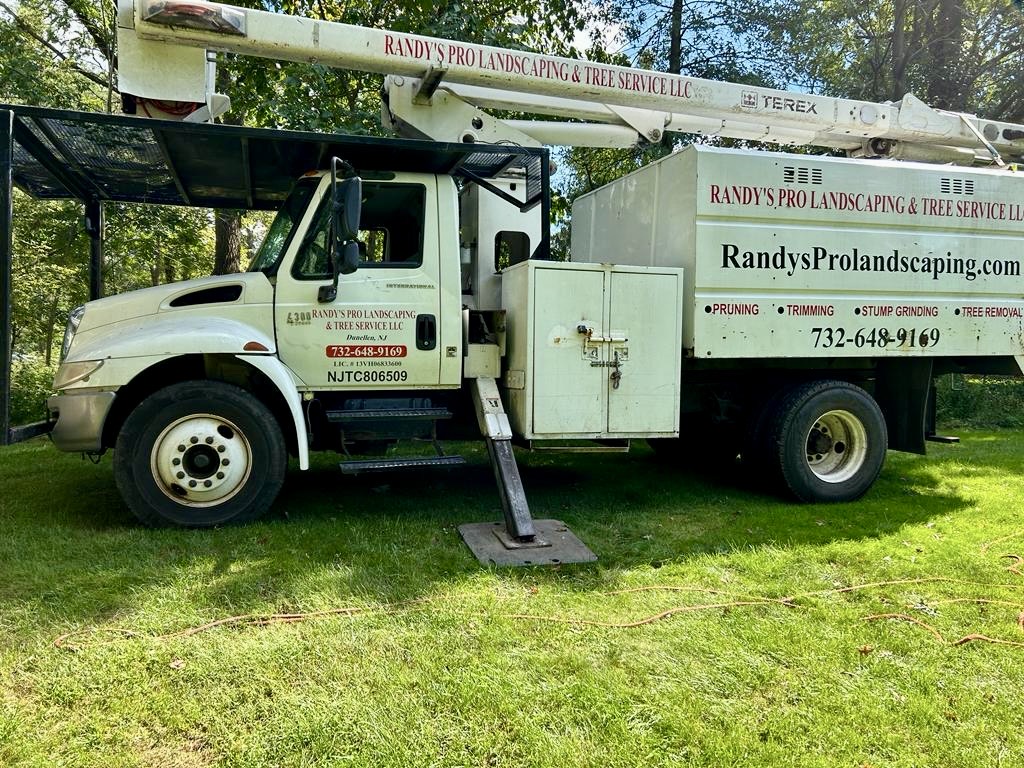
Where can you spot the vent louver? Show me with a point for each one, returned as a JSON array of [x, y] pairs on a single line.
[[792, 174], [956, 186]]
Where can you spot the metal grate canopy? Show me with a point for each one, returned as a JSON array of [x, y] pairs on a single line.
[[62, 154]]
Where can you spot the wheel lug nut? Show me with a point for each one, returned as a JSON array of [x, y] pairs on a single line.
[[207, 483], [175, 462], [225, 462], [193, 440], [191, 483], [209, 441], [181, 449], [220, 449], [181, 475], [220, 475]]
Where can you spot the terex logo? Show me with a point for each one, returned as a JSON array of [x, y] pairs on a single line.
[[789, 104]]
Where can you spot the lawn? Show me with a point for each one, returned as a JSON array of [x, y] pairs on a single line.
[[441, 662]]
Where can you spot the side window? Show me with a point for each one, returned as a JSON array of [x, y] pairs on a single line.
[[510, 248], [391, 225]]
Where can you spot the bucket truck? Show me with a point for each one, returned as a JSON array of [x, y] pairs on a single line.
[[788, 310]]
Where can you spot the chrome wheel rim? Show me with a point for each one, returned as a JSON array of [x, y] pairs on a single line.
[[201, 460], [836, 446]]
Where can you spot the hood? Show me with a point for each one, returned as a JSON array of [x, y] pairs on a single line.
[[235, 289]]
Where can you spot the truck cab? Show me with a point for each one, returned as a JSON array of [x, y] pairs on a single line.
[[395, 322], [202, 386]]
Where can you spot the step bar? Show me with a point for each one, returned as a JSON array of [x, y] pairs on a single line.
[[358, 467]]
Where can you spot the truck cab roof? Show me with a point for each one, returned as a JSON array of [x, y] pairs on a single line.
[[63, 154]]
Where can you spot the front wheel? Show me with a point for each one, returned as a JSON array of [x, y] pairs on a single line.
[[198, 454], [828, 441]]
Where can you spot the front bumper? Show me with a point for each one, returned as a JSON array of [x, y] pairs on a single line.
[[79, 419]]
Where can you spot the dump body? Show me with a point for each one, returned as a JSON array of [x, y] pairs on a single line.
[[791, 256]]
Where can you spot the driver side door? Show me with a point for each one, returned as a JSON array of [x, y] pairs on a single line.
[[381, 331]]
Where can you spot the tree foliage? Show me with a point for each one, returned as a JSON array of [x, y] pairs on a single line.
[[962, 55], [57, 53]]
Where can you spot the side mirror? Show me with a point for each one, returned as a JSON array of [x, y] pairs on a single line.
[[346, 201], [349, 261], [344, 261]]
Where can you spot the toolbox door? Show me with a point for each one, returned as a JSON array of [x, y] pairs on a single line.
[[570, 393], [643, 352]]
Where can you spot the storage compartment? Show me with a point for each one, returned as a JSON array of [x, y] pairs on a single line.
[[594, 350]]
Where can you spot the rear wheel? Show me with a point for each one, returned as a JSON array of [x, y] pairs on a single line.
[[828, 441], [200, 453]]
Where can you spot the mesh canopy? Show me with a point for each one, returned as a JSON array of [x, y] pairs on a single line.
[[60, 154]]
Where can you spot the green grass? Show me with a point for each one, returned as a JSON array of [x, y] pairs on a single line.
[[458, 680]]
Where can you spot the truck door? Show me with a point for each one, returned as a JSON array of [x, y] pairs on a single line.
[[381, 332]]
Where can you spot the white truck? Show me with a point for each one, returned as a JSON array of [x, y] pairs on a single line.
[[792, 310]]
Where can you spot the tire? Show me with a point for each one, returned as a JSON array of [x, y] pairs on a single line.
[[827, 441], [199, 454], [756, 453]]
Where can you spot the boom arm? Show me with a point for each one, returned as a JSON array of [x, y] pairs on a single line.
[[626, 104]]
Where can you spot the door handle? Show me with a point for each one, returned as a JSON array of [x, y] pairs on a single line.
[[426, 332]]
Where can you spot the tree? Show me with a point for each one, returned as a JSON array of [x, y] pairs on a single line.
[[717, 39], [714, 39], [961, 55], [60, 53]]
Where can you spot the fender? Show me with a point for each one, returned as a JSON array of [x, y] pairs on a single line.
[[284, 380], [131, 346]]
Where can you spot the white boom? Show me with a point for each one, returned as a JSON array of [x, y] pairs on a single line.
[[162, 46]]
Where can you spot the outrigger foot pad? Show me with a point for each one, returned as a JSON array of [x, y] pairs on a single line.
[[553, 544], [519, 540]]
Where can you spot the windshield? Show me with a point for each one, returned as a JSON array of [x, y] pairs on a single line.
[[283, 226]]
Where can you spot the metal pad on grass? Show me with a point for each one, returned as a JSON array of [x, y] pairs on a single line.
[[555, 544]]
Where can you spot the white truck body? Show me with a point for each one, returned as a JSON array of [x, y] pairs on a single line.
[[800, 256], [791, 310]]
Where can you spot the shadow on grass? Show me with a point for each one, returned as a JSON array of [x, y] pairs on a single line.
[[73, 553]]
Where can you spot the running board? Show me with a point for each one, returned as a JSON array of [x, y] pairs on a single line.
[[388, 414], [387, 465], [522, 540], [944, 439]]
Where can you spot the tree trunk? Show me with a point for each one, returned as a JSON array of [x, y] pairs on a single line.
[[899, 50], [944, 86], [227, 224], [227, 252], [675, 52]]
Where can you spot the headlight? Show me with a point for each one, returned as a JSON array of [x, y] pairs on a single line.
[[74, 320], [69, 373]]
